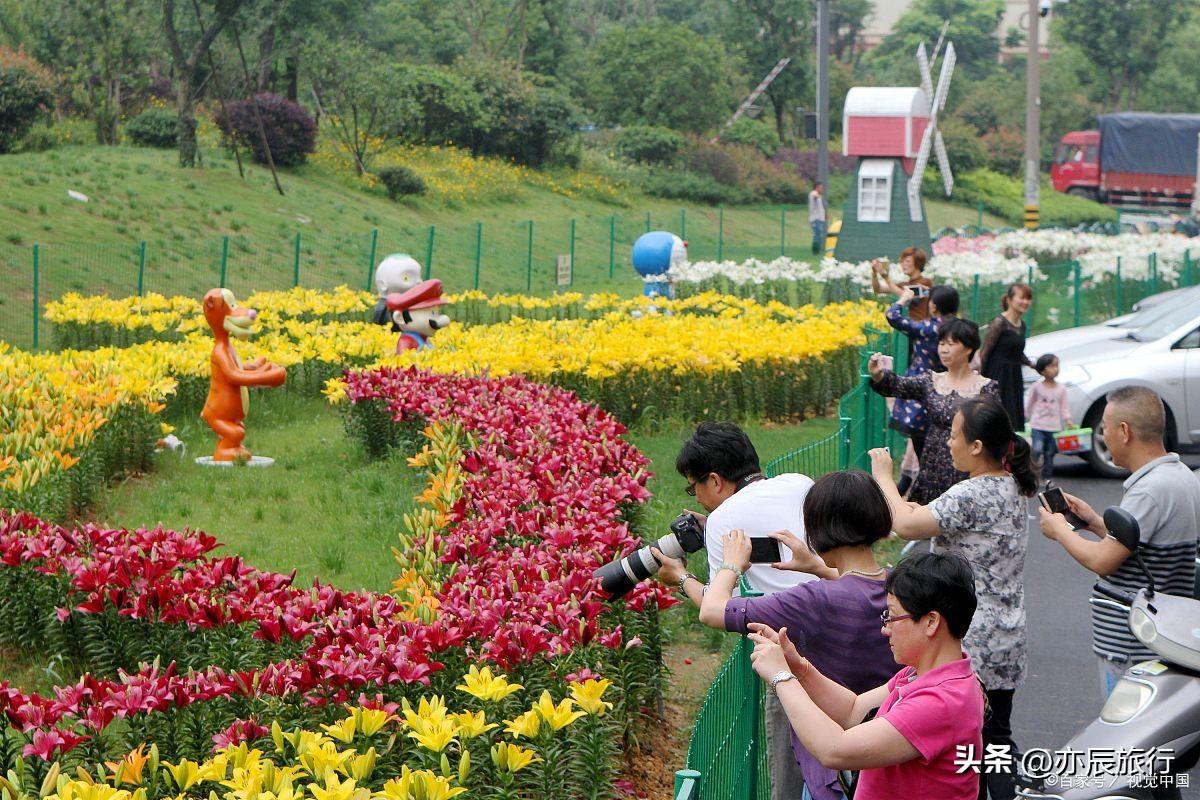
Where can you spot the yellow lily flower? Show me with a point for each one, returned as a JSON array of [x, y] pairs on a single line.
[[512, 758], [185, 774], [588, 693], [480, 683], [434, 735], [527, 725], [472, 724], [343, 731], [556, 716]]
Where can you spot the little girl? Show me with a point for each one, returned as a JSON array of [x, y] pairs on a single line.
[[1047, 412]]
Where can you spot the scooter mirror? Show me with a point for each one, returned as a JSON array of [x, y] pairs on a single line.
[[1123, 527]]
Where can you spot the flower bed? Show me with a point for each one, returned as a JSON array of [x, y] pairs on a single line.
[[543, 490]]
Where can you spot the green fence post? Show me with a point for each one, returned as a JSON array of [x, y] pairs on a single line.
[[689, 776], [647, 222], [1153, 273], [612, 245], [1078, 293], [1118, 286], [975, 296], [529, 260], [683, 223], [721, 233], [371, 257], [478, 250], [782, 229], [36, 294], [224, 259], [141, 268], [429, 251], [571, 254], [296, 262]]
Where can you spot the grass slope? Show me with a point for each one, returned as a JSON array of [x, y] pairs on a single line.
[[135, 195]]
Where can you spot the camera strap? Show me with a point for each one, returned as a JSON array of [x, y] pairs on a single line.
[[749, 479]]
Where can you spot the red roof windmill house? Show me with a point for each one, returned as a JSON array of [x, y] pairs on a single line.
[[891, 130]]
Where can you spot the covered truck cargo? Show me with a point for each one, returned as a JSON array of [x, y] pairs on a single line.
[[1162, 144]]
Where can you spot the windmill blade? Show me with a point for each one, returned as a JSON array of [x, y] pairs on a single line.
[[939, 147], [926, 76], [943, 87]]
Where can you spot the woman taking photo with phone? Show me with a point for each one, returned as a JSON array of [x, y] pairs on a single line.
[[983, 518]]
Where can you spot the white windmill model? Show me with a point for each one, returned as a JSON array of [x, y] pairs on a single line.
[[891, 130], [931, 133]]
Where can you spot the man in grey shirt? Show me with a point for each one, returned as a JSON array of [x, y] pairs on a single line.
[[1164, 496], [816, 217]]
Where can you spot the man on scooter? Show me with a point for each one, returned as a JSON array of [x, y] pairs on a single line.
[[1163, 495]]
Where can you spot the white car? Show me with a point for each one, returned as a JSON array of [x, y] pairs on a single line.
[[1157, 346]]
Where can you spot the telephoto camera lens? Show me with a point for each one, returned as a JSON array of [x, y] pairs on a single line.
[[617, 578]]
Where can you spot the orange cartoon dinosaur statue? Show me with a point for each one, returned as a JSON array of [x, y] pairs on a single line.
[[228, 398]]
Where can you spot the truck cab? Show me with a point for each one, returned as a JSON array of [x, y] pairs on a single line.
[[1076, 168]]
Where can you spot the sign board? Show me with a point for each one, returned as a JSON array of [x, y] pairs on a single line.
[[563, 264]]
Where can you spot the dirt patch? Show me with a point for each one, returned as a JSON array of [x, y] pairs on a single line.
[[662, 747]]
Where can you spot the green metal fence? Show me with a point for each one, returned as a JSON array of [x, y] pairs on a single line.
[[489, 255]]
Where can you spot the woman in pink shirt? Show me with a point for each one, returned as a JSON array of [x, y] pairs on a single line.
[[1047, 411], [930, 713]]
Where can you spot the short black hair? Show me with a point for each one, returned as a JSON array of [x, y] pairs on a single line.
[[1044, 360], [845, 509], [963, 331], [946, 300], [719, 447], [941, 582]]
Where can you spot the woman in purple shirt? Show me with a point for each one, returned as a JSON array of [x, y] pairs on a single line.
[[833, 622]]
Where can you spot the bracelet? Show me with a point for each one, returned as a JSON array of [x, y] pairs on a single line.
[[737, 573], [684, 580]]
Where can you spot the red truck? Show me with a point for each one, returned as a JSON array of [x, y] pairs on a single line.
[[1133, 159]]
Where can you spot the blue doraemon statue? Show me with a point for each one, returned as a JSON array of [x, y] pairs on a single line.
[[653, 254]]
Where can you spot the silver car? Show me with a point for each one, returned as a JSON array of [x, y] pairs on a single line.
[[1157, 346]]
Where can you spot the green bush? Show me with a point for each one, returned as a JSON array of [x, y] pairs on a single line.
[[754, 133], [1005, 147], [677, 184], [963, 145], [24, 94], [648, 144], [154, 127], [401, 181], [1005, 197], [713, 161]]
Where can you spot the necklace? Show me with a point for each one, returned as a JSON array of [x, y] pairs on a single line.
[[879, 571]]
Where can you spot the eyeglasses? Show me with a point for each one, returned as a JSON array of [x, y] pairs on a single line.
[[690, 491], [888, 620]]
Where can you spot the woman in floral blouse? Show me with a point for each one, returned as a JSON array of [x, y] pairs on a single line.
[[984, 519]]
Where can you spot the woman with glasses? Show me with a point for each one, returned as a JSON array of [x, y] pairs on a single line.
[[834, 622], [983, 518], [927, 711]]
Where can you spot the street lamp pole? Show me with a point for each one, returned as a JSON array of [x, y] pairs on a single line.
[[823, 93], [1033, 102]]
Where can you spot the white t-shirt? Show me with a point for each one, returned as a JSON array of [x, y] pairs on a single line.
[[758, 509]]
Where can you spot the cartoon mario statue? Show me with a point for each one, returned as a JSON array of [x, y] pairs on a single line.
[[415, 314], [228, 399], [396, 274]]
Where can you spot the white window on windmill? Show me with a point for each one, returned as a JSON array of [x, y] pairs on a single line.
[[875, 190]]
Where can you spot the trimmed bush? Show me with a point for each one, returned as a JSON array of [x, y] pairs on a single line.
[[713, 161], [401, 182], [1005, 197], [648, 144], [154, 127], [677, 184], [805, 162], [755, 133], [1005, 147], [24, 94], [290, 130]]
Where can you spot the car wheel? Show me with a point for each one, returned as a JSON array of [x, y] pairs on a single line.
[[1079, 191], [1099, 458]]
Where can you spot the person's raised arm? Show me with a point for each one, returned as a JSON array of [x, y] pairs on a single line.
[[909, 520], [889, 384], [736, 553]]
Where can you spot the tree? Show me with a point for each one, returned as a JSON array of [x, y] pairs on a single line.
[[661, 74], [359, 95], [972, 28], [1122, 41], [190, 34]]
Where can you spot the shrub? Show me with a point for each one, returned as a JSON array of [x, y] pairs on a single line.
[[401, 181], [677, 184], [713, 161], [1005, 147], [290, 131], [154, 127], [966, 150], [648, 144], [24, 94], [754, 133], [1005, 197], [765, 180], [805, 162]]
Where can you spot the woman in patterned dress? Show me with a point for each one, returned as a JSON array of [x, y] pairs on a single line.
[[939, 394], [984, 519]]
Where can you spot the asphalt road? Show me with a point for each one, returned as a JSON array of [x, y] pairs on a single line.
[[1062, 692]]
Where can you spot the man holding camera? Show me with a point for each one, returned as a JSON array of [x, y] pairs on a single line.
[[723, 473], [1163, 495]]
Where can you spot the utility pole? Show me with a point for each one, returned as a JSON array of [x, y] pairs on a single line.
[[1033, 125], [823, 92]]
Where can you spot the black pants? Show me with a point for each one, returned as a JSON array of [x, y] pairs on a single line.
[[997, 729]]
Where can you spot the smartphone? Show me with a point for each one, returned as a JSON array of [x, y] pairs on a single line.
[[919, 291], [764, 550], [1055, 503]]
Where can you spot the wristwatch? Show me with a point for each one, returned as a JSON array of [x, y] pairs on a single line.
[[684, 580], [780, 677]]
